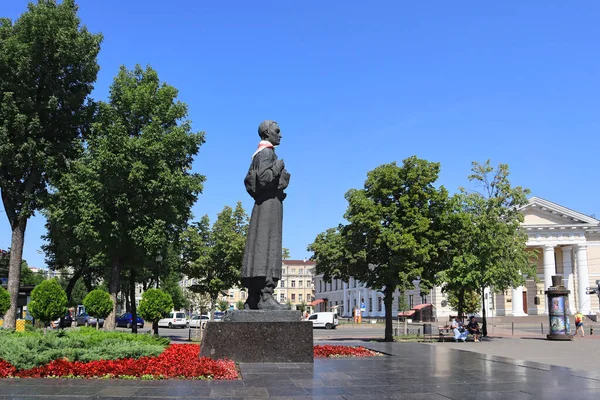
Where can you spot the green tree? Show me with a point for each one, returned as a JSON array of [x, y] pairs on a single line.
[[395, 232], [171, 286], [48, 301], [469, 304], [4, 301], [285, 253], [47, 70], [130, 194], [239, 304], [213, 255], [30, 278], [98, 304], [154, 304], [489, 246], [222, 305]]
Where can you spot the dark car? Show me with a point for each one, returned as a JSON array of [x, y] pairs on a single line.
[[86, 320], [126, 320], [65, 321]]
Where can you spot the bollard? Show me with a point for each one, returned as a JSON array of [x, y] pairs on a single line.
[[20, 326], [591, 330], [395, 331], [542, 326], [512, 327]]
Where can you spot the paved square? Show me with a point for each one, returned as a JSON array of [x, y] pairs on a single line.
[[408, 371]]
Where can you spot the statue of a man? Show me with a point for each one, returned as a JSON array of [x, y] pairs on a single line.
[[265, 182]]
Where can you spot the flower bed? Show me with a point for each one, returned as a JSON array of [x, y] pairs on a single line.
[[177, 361], [325, 351]]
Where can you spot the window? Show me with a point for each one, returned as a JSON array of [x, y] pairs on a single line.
[[299, 283], [336, 284], [300, 297], [293, 271], [380, 304], [281, 297], [411, 301], [314, 316], [370, 304], [281, 283], [231, 295], [424, 299], [293, 283], [307, 283], [243, 295], [300, 271], [354, 303], [293, 296]]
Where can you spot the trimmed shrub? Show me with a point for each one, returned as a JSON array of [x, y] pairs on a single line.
[[48, 301], [154, 304], [98, 304]]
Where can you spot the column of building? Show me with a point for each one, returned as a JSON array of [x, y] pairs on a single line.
[[568, 276], [345, 306], [583, 279]]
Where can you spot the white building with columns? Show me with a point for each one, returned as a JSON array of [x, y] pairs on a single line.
[[567, 243]]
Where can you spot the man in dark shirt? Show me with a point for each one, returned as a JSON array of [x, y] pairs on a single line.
[[473, 328]]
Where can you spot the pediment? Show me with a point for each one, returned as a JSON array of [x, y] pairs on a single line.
[[543, 212]]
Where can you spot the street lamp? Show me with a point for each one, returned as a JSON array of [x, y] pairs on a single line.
[[158, 259]]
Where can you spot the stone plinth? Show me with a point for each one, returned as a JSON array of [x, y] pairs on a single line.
[[257, 342], [262, 316]]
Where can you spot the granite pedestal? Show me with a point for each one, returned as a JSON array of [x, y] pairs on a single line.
[[246, 338]]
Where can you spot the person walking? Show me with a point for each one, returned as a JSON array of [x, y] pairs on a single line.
[[579, 323]]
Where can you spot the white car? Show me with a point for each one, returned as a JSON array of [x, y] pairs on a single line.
[[197, 321], [327, 320], [175, 319]]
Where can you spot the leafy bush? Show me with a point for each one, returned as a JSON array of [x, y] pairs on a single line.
[[4, 301], [154, 304], [26, 350], [98, 304], [48, 301]]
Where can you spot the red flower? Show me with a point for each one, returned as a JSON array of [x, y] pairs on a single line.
[[323, 351]]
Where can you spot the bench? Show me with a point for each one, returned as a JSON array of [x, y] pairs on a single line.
[[445, 332]]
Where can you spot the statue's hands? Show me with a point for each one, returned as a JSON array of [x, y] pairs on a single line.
[[278, 167], [284, 180]]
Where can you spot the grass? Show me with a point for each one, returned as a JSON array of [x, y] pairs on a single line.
[[29, 349]]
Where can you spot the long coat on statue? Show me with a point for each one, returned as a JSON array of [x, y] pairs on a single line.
[[265, 182]]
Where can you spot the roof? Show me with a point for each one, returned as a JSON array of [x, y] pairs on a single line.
[[414, 310], [299, 262], [406, 313], [557, 209]]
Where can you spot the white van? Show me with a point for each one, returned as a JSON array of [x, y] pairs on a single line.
[[327, 320], [176, 319]]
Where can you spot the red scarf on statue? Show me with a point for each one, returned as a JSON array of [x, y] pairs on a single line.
[[264, 144]]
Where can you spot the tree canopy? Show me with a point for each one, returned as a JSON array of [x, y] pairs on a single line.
[[130, 194], [489, 248], [47, 70], [395, 232], [98, 304], [154, 304], [213, 255]]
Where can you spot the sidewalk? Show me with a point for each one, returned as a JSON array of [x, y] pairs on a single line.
[[407, 371]]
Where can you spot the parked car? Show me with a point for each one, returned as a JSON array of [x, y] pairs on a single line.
[[219, 315], [198, 320], [87, 320], [66, 321], [327, 320], [126, 320], [176, 319]]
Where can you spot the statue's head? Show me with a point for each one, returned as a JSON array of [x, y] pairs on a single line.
[[269, 130]]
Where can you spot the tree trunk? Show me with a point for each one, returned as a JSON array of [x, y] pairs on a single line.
[[126, 289], [132, 301], [387, 302], [18, 227], [113, 289], [69, 290], [155, 327], [461, 302], [484, 319]]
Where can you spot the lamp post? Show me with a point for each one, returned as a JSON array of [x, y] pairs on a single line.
[[158, 259]]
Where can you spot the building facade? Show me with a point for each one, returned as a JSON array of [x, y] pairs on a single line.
[[567, 243]]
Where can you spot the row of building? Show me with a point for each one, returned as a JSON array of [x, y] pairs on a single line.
[[568, 244]]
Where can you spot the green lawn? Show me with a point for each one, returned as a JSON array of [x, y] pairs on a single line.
[[29, 349]]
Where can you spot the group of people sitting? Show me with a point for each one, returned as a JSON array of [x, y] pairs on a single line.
[[461, 331]]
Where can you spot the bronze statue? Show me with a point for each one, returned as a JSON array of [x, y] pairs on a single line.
[[265, 182]]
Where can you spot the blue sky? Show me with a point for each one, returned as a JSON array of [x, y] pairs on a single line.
[[354, 85]]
